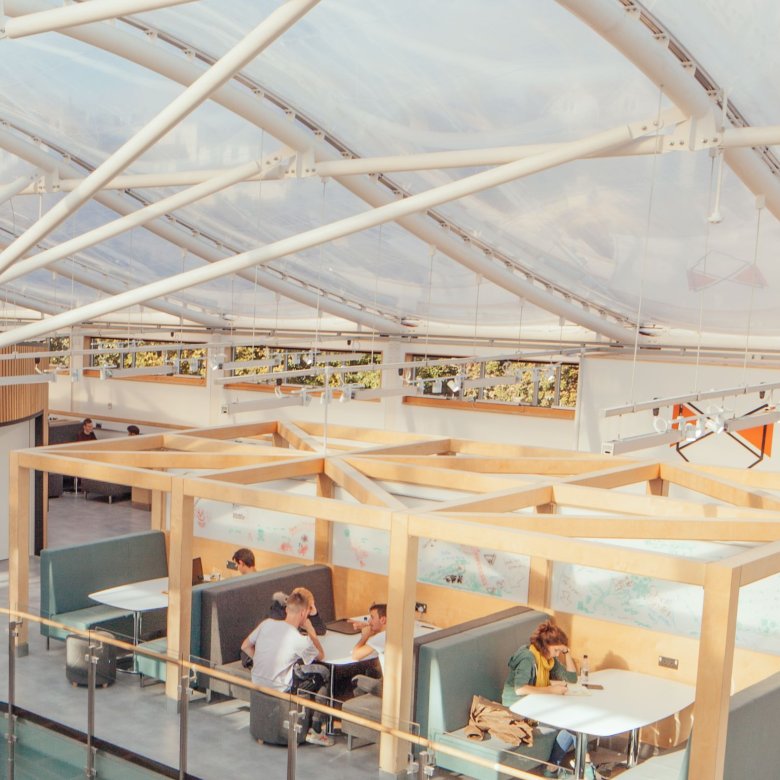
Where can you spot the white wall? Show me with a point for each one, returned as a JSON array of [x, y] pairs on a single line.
[[12, 437], [607, 382]]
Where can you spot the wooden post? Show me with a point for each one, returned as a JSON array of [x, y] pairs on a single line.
[[179, 583], [19, 545], [713, 679], [323, 529], [658, 487], [398, 672], [158, 510], [539, 579]]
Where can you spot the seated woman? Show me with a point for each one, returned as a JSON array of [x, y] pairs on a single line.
[[544, 665]]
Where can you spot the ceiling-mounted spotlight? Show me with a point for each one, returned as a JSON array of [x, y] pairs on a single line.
[[455, 384], [105, 372], [437, 387]]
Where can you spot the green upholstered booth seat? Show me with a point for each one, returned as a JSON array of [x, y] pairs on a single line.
[[752, 746], [453, 666], [70, 574]]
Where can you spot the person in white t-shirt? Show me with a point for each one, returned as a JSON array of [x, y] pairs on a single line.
[[283, 656], [372, 640]]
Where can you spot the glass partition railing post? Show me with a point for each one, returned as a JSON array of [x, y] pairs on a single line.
[[184, 700], [93, 649], [293, 729], [13, 634]]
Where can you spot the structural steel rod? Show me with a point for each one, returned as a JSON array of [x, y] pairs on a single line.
[[200, 90], [320, 235], [80, 13], [136, 218]]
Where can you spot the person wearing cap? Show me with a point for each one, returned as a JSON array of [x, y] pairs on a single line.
[[133, 430]]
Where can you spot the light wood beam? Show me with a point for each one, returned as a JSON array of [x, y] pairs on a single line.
[[122, 475], [626, 503], [297, 438], [399, 650], [757, 563], [713, 680], [19, 546], [429, 475], [356, 434], [152, 441], [182, 443], [170, 459], [628, 527], [289, 469], [179, 585], [556, 548], [546, 466], [425, 447], [502, 501], [240, 431], [499, 450], [306, 506], [618, 476], [724, 490], [768, 480], [360, 486]]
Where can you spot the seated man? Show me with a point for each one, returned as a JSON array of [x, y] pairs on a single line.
[[372, 640], [283, 657], [244, 559]]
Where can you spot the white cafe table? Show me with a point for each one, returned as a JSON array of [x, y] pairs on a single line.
[[628, 701], [338, 651], [135, 597]]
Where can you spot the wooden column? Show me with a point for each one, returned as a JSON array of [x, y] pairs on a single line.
[[179, 583], [19, 545], [539, 579], [158, 510], [399, 656], [658, 487], [713, 679], [323, 529]]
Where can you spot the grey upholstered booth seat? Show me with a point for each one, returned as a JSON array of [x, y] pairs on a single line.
[[98, 487], [200, 653], [752, 746], [231, 612]]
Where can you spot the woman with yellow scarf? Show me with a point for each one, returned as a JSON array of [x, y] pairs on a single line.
[[544, 665]]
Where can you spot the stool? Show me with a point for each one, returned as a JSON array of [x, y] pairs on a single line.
[[267, 716], [367, 706]]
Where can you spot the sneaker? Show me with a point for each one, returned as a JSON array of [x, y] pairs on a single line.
[[319, 738]]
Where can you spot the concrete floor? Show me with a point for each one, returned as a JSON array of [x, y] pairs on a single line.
[[140, 719]]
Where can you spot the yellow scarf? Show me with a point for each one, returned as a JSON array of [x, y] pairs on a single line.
[[543, 667]]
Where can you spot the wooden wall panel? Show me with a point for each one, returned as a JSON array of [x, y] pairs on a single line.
[[19, 402]]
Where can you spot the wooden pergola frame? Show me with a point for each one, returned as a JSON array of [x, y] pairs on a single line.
[[509, 500]]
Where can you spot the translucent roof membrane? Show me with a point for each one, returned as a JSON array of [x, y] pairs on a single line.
[[625, 233]]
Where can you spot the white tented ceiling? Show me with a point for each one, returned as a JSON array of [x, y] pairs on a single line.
[[644, 209]]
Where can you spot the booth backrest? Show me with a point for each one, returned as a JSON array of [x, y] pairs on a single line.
[[234, 607], [70, 574], [473, 660], [752, 746]]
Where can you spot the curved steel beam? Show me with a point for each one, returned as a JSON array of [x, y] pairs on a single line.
[[186, 238], [241, 54], [485, 262], [631, 31], [397, 210]]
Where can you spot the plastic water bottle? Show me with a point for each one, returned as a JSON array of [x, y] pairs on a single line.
[[585, 671]]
